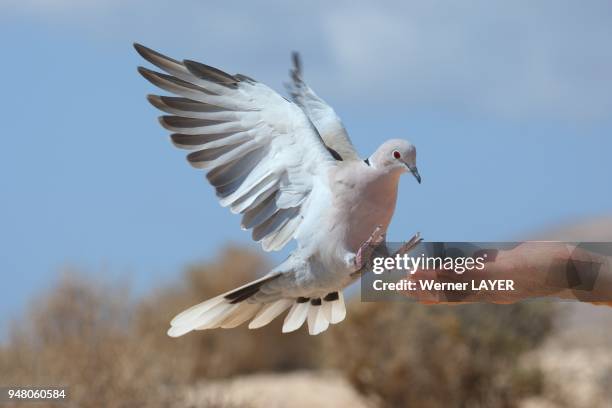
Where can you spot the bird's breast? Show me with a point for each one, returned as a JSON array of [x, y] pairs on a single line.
[[361, 204]]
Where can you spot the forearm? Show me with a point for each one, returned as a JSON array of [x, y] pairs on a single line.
[[534, 269]]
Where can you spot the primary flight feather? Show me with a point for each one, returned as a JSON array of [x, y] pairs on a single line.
[[292, 172]]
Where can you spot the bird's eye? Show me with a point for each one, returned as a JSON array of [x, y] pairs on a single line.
[[397, 154]]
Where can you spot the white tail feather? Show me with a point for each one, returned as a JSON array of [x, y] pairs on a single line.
[[317, 322], [338, 310], [213, 318], [269, 312], [195, 311], [175, 331], [203, 313], [296, 317], [326, 308], [240, 315], [220, 311]]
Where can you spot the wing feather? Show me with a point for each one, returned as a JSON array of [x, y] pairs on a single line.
[[208, 141], [264, 157], [182, 106], [322, 115], [260, 213], [229, 172]]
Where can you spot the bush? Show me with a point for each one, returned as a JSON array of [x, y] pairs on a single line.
[[112, 350], [408, 354]]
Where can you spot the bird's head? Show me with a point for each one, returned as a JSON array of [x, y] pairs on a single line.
[[396, 155]]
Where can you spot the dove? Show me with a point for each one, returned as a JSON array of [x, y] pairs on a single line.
[[289, 168]]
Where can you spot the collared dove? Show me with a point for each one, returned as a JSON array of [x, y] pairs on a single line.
[[290, 169]]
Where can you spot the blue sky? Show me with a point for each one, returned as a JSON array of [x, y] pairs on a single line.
[[509, 108]]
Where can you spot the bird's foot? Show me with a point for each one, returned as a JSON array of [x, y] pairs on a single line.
[[367, 248], [409, 245]]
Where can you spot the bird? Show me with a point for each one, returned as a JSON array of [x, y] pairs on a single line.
[[290, 169]]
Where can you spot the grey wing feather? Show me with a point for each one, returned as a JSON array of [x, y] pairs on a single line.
[[323, 116], [261, 150]]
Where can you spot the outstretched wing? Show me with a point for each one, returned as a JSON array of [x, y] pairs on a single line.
[[264, 157], [322, 115]]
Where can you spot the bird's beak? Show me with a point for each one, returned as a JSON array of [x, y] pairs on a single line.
[[415, 173]]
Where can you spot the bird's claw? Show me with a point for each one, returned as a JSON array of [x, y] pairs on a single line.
[[409, 245], [367, 248]]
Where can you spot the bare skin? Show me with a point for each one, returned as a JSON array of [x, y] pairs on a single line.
[[537, 269]]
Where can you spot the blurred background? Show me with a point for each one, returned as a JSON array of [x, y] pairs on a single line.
[[106, 232]]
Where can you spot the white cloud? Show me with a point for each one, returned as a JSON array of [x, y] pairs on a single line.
[[514, 60], [518, 59]]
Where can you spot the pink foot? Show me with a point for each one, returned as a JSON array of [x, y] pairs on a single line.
[[409, 245], [366, 249]]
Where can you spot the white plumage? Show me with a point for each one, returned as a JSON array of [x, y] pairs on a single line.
[[296, 317], [290, 169], [269, 312]]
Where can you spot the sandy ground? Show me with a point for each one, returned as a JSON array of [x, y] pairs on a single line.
[[302, 389]]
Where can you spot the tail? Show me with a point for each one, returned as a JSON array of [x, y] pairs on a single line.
[[233, 308]]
